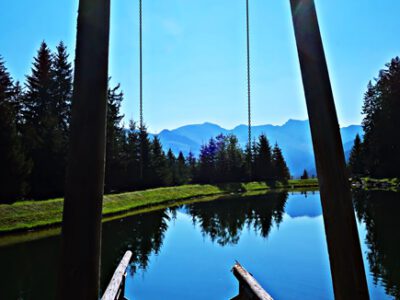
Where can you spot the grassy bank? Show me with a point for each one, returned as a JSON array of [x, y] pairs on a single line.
[[26, 215]]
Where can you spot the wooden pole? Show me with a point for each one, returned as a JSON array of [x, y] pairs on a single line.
[[347, 268], [81, 227]]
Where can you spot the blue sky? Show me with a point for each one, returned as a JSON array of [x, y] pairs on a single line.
[[194, 54]]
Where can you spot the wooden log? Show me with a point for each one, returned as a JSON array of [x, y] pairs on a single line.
[[115, 289], [249, 288], [79, 276], [347, 268]]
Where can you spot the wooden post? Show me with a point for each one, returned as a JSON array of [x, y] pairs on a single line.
[[81, 227], [347, 268]]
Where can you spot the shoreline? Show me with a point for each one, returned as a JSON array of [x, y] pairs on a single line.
[[28, 216]]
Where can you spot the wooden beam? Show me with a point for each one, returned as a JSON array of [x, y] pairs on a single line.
[[81, 227], [347, 268], [249, 288], [115, 289]]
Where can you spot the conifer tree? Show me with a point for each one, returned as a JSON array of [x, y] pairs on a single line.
[[305, 175], [221, 159], [171, 178], [280, 168], [207, 162], [263, 160], [181, 169], [356, 160], [15, 167], [192, 167], [235, 156], [132, 156], [144, 157], [158, 163], [115, 166], [248, 163], [381, 111], [42, 136], [62, 87]]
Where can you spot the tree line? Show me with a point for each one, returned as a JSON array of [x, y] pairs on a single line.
[[377, 154], [34, 136]]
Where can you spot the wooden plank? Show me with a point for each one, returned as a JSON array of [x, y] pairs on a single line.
[[347, 268], [113, 289], [249, 288]]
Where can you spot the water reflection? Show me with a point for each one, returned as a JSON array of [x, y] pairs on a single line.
[[276, 230], [380, 212], [223, 220], [142, 234]]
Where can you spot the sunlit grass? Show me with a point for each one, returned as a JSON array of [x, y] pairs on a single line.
[[27, 215]]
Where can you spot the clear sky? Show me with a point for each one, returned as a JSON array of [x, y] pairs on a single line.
[[194, 54]]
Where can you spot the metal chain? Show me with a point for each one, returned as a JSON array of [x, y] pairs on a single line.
[[140, 67], [248, 74]]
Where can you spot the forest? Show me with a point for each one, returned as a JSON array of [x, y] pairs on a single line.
[[377, 153], [35, 127]]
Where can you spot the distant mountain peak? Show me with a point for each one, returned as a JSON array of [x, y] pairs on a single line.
[[294, 122]]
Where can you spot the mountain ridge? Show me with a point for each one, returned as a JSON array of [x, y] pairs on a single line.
[[293, 137]]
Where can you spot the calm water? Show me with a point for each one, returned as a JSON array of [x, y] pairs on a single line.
[[187, 252]]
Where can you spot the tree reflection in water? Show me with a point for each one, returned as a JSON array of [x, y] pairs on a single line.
[[223, 220], [379, 211], [143, 234]]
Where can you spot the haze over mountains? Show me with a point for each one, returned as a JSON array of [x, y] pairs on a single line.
[[293, 137]]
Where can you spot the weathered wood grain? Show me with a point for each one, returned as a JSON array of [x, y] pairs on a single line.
[[115, 288], [249, 288]]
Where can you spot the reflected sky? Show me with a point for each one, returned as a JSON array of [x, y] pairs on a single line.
[[187, 252]]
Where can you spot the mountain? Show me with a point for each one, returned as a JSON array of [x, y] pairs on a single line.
[[293, 137]]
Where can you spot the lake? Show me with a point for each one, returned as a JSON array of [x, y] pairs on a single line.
[[187, 252]]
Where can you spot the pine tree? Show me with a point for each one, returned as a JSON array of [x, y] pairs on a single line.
[[144, 157], [115, 168], [158, 163], [192, 167], [132, 149], [263, 160], [15, 167], [381, 111], [171, 178], [221, 159], [207, 162], [280, 168], [356, 160], [249, 163], [181, 169], [235, 157], [42, 135], [62, 87], [305, 175]]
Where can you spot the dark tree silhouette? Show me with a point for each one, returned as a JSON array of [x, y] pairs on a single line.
[[263, 170], [44, 137], [280, 168], [158, 164], [305, 175], [381, 122], [356, 159], [115, 169], [379, 211], [15, 167]]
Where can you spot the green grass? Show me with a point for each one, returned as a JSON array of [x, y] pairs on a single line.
[[26, 215]]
